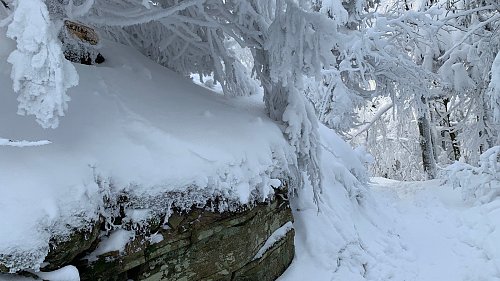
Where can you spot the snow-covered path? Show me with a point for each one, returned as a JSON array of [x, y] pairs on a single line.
[[400, 231], [447, 239]]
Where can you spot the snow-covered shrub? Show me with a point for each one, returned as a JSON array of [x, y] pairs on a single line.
[[40, 73], [478, 184]]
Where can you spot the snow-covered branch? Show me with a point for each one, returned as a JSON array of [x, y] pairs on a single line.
[[135, 14], [22, 143], [473, 30], [383, 109]]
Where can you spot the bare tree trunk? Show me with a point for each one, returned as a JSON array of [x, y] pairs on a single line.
[[275, 96], [451, 131], [429, 163], [434, 136]]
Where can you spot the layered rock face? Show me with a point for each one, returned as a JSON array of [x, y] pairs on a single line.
[[204, 245], [254, 242]]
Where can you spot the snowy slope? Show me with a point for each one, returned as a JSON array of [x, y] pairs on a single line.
[[351, 236], [140, 128], [411, 231]]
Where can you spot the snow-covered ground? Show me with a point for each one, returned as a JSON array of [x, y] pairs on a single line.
[[449, 239], [430, 234]]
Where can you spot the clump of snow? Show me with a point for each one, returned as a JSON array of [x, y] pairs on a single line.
[[116, 241], [138, 216], [276, 236], [275, 183], [67, 273], [144, 136], [155, 238], [23, 143]]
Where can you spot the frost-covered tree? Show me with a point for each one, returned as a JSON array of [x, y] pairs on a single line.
[[454, 45], [40, 73], [469, 42]]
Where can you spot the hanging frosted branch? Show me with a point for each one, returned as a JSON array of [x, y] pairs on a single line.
[[40, 73], [130, 13]]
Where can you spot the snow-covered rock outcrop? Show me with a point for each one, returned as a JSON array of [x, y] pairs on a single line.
[[135, 128]]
